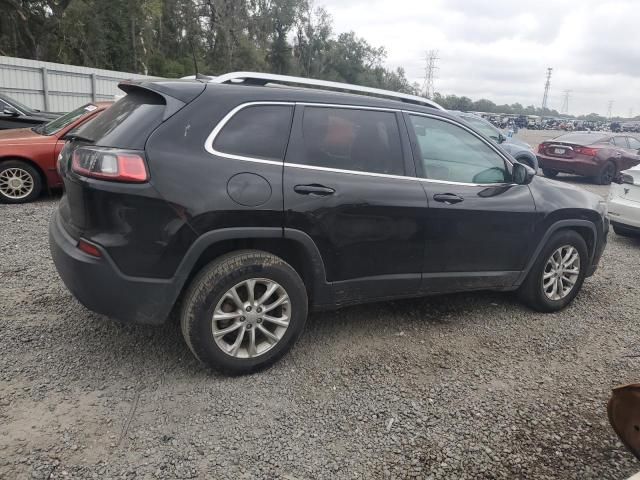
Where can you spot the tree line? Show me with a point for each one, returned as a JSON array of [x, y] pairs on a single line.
[[165, 38]]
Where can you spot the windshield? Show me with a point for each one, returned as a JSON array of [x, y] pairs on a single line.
[[483, 127], [59, 123], [20, 106]]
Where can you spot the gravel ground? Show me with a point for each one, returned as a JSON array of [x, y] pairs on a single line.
[[462, 386]]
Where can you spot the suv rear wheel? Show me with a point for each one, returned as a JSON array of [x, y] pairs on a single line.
[[244, 311], [557, 275]]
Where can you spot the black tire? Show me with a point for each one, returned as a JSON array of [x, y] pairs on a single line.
[[624, 231], [607, 174], [27, 172], [209, 287], [532, 293], [549, 173]]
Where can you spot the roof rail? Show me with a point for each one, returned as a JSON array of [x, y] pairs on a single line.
[[264, 78]]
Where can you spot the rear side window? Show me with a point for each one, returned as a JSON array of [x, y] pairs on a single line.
[[128, 122], [261, 131], [350, 139]]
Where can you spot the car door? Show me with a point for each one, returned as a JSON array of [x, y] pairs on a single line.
[[479, 225], [349, 184], [631, 155], [7, 120]]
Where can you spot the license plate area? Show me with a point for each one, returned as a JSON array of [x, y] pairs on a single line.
[[559, 151]]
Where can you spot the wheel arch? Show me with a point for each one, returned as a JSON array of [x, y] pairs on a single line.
[[293, 246], [585, 228]]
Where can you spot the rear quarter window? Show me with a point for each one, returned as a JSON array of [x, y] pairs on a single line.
[[128, 122], [260, 131]]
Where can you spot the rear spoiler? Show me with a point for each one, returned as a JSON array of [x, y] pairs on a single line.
[[175, 93]]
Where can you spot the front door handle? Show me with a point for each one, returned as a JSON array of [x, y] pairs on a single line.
[[314, 189], [448, 198]]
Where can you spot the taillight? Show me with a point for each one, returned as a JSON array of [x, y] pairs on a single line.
[[589, 152], [110, 164], [541, 147]]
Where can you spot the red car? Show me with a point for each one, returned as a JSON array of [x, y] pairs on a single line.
[[28, 155], [598, 155]]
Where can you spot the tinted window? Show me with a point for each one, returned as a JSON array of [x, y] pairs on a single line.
[[261, 131], [620, 142], [450, 153], [3, 105], [350, 139], [634, 144], [128, 122]]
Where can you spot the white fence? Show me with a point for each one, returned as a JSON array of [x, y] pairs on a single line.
[[56, 87]]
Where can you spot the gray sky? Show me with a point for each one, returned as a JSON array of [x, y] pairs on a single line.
[[499, 50]]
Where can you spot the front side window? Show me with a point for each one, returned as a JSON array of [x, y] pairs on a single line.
[[260, 131], [351, 139], [634, 144], [620, 142], [483, 127], [452, 154]]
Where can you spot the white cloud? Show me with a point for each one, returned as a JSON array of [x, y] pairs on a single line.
[[500, 49]]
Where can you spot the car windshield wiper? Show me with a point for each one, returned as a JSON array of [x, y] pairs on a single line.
[[75, 136]]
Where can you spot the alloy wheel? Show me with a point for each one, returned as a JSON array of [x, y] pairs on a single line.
[[251, 318], [16, 183], [561, 272]]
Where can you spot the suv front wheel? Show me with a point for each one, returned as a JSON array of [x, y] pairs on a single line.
[[557, 275], [244, 311]]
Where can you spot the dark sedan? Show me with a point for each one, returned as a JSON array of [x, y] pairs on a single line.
[[14, 114], [597, 155]]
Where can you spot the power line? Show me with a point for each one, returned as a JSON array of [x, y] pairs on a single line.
[[547, 85], [565, 102], [430, 67]]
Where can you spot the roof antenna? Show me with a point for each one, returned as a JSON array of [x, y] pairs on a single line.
[[198, 75]]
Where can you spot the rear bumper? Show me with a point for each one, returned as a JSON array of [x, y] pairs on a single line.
[[569, 165], [100, 286]]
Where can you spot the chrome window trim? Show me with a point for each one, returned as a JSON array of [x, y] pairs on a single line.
[[221, 124]]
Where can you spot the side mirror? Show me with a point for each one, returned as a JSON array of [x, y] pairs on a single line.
[[501, 138], [10, 111], [522, 174]]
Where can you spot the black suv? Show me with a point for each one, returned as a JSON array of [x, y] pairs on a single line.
[[240, 206]]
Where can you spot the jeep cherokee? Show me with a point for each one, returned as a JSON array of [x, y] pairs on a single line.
[[240, 206]]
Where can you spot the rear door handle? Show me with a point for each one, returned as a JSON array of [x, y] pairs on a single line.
[[314, 189], [448, 198]]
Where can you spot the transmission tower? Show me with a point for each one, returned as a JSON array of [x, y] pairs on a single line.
[[431, 60], [547, 85], [565, 102], [609, 109]]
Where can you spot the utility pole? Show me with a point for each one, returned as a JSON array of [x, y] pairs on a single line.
[[565, 102], [609, 109], [547, 85], [431, 59]]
